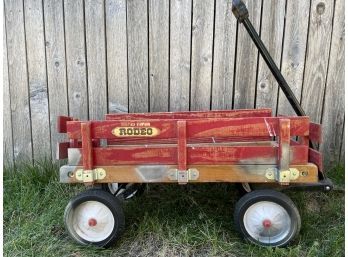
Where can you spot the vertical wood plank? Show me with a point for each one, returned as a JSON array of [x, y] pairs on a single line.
[[182, 147], [202, 51], [159, 54], [224, 51], [116, 44], [36, 59], [56, 66], [246, 62], [294, 51], [272, 35], [137, 34], [342, 154], [76, 59], [180, 54], [87, 146], [7, 120], [20, 109], [333, 110], [317, 57], [96, 60], [284, 148]]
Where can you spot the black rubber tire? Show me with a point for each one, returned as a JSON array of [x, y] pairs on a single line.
[[128, 193], [111, 202], [272, 196]]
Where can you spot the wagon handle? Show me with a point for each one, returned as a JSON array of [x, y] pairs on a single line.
[[240, 11]]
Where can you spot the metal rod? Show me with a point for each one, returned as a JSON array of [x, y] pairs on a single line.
[[241, 13]]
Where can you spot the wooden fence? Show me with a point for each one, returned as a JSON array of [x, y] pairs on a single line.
[[87, 58]]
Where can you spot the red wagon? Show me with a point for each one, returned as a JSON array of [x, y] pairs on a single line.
[[237, 146], [250, 147]]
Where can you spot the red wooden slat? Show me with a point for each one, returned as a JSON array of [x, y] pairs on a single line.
[[62, 150], [316, 158], [284, 144], [182, 151], [122, 155], [87, 145], [191, 114], [239, 127], [298, 154], [315, 134], [61, 123]]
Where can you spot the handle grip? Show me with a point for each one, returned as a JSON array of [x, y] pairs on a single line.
[[240, 10]]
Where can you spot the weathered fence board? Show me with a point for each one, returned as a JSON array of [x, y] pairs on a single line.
[[138, 66], [18, 78], [95, 43], [85, 58], [7, 121], [159, 54], [271, 34], [36, 60], [76, 58], [317, 58], [202, 54], [334, 96], [180, 54], [56, 66], [224, 51], [116, 45], [246, 60], [294, 51]]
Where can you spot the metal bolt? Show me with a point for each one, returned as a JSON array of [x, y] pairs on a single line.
[[327, 188]]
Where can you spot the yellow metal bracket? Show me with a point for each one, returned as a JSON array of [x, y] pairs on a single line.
[[90, 175], [282, 176], [183, 176]]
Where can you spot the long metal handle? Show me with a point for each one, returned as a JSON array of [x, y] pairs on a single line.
[[240, 11]]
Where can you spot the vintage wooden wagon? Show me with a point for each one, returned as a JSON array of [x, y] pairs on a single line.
[[249, 147], [237, 146]]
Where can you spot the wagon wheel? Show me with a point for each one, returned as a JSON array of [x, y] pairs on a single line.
[[267, 218], [124, 191], [94, 217]]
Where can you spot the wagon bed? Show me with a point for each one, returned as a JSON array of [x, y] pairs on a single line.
[[182, 147]]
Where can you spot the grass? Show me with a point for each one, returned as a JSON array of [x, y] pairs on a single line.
[[167, 220]]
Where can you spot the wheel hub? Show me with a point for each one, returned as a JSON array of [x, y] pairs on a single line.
[[92, 222], [267, 223]]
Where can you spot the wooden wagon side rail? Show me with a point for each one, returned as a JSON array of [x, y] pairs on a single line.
[[240, 113], [281, 161], [223, 127]]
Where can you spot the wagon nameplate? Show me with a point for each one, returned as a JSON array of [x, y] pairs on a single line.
[[135, 131]]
